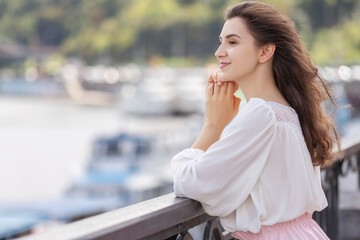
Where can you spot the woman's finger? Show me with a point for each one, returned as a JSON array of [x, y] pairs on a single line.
[[221, 77], [230, 88], [209, 80], [218, 78], [217, 88], [213, 77], [227, 87], [210, 90], [223, 89]]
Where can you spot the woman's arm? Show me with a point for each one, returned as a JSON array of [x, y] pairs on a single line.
[[207, 137], [222, 177], [221, 107]]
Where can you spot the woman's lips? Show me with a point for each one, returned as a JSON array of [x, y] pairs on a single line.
[[223, 64]]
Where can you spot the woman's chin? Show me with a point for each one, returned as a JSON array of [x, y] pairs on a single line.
[[226, 78]]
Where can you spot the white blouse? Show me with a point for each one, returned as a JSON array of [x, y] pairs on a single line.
[[258, 173]]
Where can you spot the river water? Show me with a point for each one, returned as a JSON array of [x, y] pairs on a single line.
[[45, 143]]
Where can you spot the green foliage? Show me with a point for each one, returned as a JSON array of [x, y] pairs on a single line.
[[137, 30], [150, 13], [338, 45]]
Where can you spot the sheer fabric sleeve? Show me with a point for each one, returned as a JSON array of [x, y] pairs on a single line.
[[222, 177]]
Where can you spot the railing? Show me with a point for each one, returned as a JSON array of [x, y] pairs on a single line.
[[170, 217], [328, 219]]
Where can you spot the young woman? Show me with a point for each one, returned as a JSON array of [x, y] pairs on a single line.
[[258, 169]]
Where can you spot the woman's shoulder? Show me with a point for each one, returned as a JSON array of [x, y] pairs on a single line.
[[282, 113], [256, 112], [257, 107]]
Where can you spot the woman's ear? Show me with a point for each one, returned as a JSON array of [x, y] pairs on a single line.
[[266, 52]]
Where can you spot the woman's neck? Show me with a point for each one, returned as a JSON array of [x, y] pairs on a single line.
[[261, 84]]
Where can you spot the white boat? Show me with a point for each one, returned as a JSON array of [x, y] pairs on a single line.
[[165, 91]]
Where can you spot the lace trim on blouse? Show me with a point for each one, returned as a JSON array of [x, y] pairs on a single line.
[[285, 115]]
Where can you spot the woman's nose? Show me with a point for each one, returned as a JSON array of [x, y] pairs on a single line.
[[220, 52]]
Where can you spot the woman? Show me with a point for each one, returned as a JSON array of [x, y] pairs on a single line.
[[258, 169]]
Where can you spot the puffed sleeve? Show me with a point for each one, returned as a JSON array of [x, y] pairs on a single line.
[[222, 177]]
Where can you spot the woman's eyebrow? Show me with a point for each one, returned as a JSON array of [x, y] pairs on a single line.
[[231, 35]]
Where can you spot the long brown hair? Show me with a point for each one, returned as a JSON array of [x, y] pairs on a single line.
[[295, 76]]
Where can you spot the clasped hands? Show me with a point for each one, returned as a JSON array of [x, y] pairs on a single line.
[[221, 103], [220, 108]]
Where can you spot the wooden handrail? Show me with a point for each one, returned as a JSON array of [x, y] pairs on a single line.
[[157, 218]]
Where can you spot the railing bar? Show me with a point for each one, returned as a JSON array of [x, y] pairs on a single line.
[[154, 223], [358, 168], [127, 218]]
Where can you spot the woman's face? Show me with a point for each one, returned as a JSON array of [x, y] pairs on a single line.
[[237, 53]]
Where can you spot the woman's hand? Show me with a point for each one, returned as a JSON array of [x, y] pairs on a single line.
[[221, 107], [221, 103]]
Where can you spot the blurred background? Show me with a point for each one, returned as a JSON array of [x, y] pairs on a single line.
[[97, 96]]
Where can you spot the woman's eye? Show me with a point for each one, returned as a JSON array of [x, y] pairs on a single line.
[[232, 42], [219, 43]]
